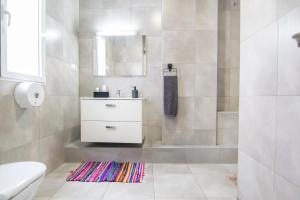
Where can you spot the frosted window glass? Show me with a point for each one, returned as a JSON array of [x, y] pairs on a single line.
[[23, 37]]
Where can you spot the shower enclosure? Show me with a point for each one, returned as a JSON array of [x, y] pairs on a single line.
[[201, 40]]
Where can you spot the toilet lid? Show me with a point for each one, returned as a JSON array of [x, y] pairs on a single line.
[[15, 177]]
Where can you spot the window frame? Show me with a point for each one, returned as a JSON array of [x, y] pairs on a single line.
[[6, 75]]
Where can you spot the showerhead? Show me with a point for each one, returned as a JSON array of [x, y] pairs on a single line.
[[297, 38]]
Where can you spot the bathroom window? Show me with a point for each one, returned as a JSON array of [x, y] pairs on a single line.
[[22, 40]]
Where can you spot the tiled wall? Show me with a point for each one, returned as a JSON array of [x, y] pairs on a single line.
[[179, 32], [269, 156], [228, 128], [228, 55], [41, 133]]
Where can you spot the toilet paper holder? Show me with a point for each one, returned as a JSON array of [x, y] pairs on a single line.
[[29, 94]]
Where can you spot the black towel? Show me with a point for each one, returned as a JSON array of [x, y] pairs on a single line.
[[170, 96]]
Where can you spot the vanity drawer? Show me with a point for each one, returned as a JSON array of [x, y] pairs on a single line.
[[111, 132], [111, 110]]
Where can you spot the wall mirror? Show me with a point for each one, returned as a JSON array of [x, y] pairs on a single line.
[[121, 55]]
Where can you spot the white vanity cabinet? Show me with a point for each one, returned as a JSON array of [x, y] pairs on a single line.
[[112, 120]]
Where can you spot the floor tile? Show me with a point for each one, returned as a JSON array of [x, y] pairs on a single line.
[[217, 186], [213, 169], [67, 167], [171, 168], [233, 198], [131, 191], [148, 169], [80, 190], [164, 181], [181, 198], [51, 184], [176, 186]]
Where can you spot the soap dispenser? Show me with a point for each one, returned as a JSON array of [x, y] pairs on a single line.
[[135, 93]]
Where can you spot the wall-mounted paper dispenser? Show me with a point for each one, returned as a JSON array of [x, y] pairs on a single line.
[[29, 94]]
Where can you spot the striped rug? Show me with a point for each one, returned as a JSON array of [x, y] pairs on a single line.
[[110, 171]]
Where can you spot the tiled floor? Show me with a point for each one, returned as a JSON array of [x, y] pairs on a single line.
[[162, 182]]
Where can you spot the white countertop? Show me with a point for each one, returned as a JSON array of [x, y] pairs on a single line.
[[111, 98]]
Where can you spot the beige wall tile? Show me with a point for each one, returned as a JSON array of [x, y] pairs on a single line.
[[257, 180], [171, 38], [153, 111], [235, 27], [234, 53], [207, 47], [55, 9], [234, 103], [90, 21], [71, 16], [228, 120], [26, 152], [91, 4], [259, 61], [189, 137], [24, 132], [205, 113], [7, 87], [146, 3], [207, 14], [154, 51], [87, 83], [179, 47], [284, 6], [147, 20], [85, 52], [224, 82], [234, 82], [285, 190], [52, 151], [54, 83], [288, 60], [70, 42], [71, 118], [224, 104], [179, 15], [55, 40], [205, 80], [18, 126], [257, 120], [202, 155], [277, 158], [186, 79], [256, 15], [51, 117], [110, 4], [228, 155], [288, 113], [118, 18], [185, 116], [228, 136], [153, 135]]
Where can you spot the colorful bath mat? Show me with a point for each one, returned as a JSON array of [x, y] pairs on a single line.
[[110, 171]]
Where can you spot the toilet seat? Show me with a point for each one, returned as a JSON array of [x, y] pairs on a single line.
[[15, 177]]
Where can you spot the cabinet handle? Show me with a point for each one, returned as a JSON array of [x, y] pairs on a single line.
[[110, 127], [110, 105]]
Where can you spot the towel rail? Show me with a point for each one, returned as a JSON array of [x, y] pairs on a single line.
[[170, 71]]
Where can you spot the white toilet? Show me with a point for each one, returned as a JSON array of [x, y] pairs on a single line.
[[21, 180]]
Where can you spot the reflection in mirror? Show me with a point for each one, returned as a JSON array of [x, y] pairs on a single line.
[[120, 56]]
